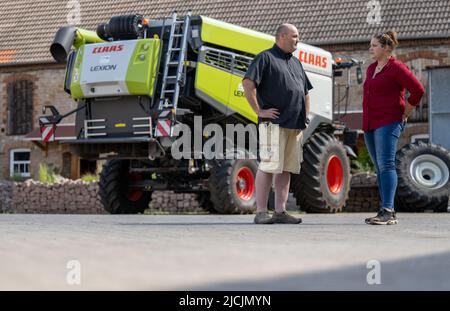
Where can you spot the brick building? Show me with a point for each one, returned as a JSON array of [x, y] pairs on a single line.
[[30, 78]]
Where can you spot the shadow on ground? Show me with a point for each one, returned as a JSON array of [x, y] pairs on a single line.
[[417, 273]]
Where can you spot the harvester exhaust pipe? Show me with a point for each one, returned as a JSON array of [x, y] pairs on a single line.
[[66, 37], [62, 43]]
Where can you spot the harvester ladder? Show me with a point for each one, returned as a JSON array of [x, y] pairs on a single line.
[[175, 58]]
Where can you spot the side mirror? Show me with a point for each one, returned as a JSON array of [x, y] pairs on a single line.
[[359, 75]]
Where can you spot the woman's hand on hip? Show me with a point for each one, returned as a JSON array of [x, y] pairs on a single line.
[[408, 110]]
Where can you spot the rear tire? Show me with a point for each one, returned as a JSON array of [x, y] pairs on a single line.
[[232, 186], [115, 196], [423, 178], [324, 181]]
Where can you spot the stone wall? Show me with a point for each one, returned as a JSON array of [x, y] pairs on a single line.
[[175, 203], [6, 196], [65, 197], [364, 195], [79, 197]]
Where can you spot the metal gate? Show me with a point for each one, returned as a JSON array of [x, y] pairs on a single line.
[[439, 105]]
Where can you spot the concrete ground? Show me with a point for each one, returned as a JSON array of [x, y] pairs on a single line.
[[209, 252]]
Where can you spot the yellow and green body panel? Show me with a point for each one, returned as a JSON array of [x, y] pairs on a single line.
[[223, 91], [142, 68], [237, 100], [234, 37], [83, 36], [218, 82]]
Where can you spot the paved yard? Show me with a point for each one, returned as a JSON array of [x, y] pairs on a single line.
[[209, 252]]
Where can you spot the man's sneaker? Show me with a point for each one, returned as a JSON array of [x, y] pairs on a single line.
[[386, 217], [263, 219], [285, 218]]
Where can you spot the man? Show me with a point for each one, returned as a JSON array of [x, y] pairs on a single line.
[[276, 87]]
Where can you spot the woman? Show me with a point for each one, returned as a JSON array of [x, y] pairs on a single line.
[[385, 112]]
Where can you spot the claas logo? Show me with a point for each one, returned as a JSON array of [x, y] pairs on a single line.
[[108, 49], [313, 59]]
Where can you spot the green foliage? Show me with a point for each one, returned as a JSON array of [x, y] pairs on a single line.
[[90, 177], [46, 174], [363, 162]]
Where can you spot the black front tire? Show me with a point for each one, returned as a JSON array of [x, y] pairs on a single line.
[[113, 192], [317, 189], [231, 185]]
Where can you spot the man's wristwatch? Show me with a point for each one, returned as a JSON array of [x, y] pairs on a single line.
[[307, 121]]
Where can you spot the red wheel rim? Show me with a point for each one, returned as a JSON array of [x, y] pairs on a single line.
[[335, 175], [245, 184], [134, 195]]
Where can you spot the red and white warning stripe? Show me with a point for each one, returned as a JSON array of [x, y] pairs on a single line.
[[163, 128], [48, 133], [164, 113]]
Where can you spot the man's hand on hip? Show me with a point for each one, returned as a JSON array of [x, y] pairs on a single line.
[[271, 113]]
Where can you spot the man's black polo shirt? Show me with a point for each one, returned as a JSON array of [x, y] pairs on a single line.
[[281, 83]]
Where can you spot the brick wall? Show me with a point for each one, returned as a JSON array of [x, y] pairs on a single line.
[[417, 57], [47, 90]]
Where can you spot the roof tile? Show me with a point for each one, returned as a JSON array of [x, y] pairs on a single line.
[[28, 26]]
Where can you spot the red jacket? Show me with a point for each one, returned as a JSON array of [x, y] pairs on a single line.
[[384, 95]]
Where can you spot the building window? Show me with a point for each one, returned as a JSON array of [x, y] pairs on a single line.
[[20, 107], [19, 162]]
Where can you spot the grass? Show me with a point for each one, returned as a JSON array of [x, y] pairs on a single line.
[[17, 177]]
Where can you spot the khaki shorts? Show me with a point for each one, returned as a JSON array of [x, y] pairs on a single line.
[[280, 149]]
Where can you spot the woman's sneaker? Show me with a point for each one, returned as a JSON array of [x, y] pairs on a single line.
[[369, 220], [384, 217]]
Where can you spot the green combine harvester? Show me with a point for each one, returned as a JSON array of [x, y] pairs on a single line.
[[135, 79]]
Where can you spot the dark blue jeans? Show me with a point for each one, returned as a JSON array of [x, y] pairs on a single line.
[[382, 146]]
